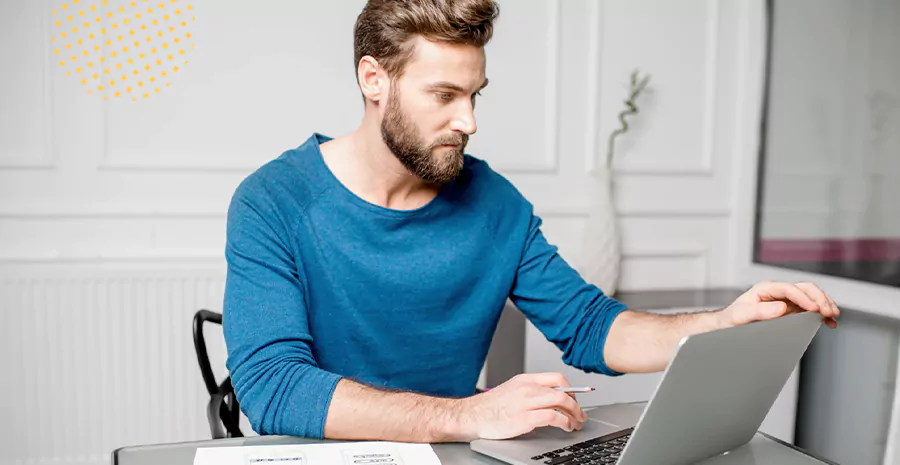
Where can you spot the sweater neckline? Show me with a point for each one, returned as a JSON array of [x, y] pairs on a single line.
[[317, 139]]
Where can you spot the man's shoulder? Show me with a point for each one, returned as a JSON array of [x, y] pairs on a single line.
[[484, 180], [288, 181]]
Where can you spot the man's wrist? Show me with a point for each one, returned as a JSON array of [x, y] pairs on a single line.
[[448, 421], [723, 318], [703, 321]]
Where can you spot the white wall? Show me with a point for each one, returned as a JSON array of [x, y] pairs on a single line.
[[112, 213]]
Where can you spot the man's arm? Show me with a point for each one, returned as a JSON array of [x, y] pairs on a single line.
[[572, 314], [516, 407], [640, 342], [361, 412], [270, 358]]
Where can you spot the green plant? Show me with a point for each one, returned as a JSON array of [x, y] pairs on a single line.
[[637, 86]]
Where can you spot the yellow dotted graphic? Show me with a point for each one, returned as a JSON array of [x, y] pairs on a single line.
[[164, 24]]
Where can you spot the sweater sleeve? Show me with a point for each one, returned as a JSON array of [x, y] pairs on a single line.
[[574, 315], [276, 379]]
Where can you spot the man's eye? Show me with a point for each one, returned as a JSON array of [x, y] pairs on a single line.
[[444, 96]]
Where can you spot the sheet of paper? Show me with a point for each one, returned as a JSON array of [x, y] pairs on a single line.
[[349, 453]]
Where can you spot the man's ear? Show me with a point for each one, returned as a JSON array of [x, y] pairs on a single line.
[[371, 78]]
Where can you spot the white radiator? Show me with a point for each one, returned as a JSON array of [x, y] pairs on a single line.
[[92, 363]]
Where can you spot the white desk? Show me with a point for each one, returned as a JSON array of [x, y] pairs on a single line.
[[762, 450]]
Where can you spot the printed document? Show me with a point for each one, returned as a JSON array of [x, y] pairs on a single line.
[[349, 453]]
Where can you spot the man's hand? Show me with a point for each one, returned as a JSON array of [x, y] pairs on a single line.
[[768, 300], [520, 405]]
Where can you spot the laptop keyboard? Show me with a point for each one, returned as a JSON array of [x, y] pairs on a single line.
[[597, 451]]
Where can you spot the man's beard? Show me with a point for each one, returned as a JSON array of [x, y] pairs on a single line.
[[401, 137]]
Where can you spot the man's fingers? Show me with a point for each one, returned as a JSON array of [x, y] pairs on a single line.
[[793, 308], [815, 293], [550, 417], [545, 398], [772, 309], [560, 401], [787, 291], [837, 311]]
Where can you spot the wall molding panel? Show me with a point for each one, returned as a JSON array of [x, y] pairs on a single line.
[[40, 156], [701, 163]]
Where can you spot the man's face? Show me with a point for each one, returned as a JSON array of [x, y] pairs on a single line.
[[429, 114]]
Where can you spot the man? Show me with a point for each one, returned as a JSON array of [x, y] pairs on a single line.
[[367, 273]]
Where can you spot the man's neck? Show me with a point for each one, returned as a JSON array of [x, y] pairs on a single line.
[[364, 165]]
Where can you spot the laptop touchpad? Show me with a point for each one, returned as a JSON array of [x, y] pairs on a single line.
[[617, 415]]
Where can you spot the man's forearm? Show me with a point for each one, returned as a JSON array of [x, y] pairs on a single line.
[[640, 342], [361, 412]]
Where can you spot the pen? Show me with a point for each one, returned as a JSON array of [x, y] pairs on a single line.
[[574, 389]]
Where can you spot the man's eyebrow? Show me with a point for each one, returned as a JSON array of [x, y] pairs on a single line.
[[454, 87]]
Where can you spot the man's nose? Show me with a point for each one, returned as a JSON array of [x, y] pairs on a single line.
[[464, 121]]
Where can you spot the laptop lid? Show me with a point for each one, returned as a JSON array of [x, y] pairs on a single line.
[[718, 389]]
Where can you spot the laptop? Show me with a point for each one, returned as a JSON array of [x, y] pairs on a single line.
[[713, 396]]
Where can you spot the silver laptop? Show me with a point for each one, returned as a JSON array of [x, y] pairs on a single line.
[[716, 391]]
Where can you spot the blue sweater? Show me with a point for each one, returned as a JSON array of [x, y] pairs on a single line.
[[322, 285]]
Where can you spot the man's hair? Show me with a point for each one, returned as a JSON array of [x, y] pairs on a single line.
[[384, 28]]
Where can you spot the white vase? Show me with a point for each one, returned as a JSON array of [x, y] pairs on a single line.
[[601, 249]]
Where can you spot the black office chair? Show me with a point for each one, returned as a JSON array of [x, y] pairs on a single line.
[[223, 411]]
